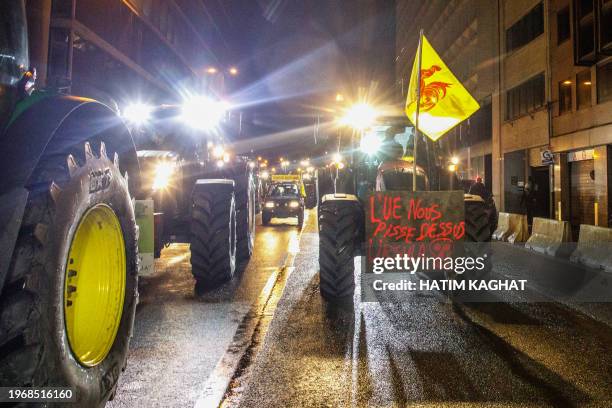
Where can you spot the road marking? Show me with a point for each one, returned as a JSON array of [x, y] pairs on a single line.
[[249, 335], [354, 361]]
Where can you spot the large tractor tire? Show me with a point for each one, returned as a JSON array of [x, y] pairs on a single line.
[[266, 218], [325, 184], [67, 307], [477, 242], [338, 239], [245, 193], [477, 222], [478, 235], [213, 233]]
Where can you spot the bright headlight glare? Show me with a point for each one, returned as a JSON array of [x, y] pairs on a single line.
[[360, 116], [270, 204], [163, 175], [220, 163], [203, 113], [218, 152], [264, 175], [138, 113], [307, 177], [370, 143], [294, 204]]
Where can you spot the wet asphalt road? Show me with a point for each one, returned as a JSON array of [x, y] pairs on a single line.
[[178, 337], [422, 351]]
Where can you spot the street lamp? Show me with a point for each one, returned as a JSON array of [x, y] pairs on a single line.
[[359, 116], [211, 70], [233, 71]]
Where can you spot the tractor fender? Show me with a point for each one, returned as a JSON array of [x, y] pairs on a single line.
[[339, 197], [218, 184], [51, 125], [473, 198], [202, 183]]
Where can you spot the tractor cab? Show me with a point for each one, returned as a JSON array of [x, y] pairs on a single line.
[[13, 54], [397, 175]]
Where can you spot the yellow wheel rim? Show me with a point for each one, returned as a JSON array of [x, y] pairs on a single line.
[[95, 285]]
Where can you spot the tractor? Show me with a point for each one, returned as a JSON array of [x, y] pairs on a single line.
[[383, 163], [68, 233], [202, 194]]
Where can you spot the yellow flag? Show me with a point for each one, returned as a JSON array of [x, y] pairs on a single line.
[[444, 101]]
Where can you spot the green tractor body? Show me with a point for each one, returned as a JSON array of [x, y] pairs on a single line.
[[68, 234]]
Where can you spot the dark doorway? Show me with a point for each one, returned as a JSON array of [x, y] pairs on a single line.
[[582, 193], [541, 180]]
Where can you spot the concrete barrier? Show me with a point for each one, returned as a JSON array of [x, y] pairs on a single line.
[[548, 237], [519, 228], [594, 247], [511, 228], [503, 227]]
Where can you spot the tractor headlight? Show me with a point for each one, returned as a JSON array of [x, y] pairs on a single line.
[[218, 152], [270, 204], [203, 113], [163, 175], [294, 204], [137, 113], [370, 144]]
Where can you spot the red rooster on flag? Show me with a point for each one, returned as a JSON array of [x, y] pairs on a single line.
[[432, 92]]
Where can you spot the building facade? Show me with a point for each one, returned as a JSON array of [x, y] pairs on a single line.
[[544, 67]]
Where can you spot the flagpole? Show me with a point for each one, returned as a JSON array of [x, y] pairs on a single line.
[[416, 122]]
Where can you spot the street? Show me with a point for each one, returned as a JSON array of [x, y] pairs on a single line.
[[178, 337], [444, 167], [305, 352]]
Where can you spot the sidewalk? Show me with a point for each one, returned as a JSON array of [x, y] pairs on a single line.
[[557, 279]]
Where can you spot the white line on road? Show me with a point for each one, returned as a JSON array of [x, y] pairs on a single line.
[[213, 391]]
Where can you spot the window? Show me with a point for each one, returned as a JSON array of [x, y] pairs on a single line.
[[525, 97], [565, 96], [605, 27], [583, 89], [530, 26], [563, 25], [592, 21], [604, 83], [585, 32]]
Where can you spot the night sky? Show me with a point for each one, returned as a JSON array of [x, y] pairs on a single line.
[[294, 56]]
